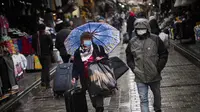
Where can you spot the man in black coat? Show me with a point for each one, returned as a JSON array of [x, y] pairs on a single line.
[[43, 46], [59, 44], [130, 24]]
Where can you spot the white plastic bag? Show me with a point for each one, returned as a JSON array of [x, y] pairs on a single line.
[[165, 38]]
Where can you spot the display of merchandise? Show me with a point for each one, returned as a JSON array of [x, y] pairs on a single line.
[[197, 32], [4, 25]]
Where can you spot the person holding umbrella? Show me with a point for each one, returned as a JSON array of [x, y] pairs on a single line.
[[90, 43], [87, 53]]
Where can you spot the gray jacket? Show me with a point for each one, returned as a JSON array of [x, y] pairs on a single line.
[[147, 58]]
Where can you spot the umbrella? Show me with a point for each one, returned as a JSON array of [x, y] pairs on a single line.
[[103, 34]]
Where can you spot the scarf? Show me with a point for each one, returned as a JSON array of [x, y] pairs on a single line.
[[86, 53]]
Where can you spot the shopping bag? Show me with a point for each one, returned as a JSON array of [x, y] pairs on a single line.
[[37, 63], [101, 80], [165, 38]]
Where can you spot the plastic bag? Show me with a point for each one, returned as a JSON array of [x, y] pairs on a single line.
[[165, 38], [102, 81], [37, 63]]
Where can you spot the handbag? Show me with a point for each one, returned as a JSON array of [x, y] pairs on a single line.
[[118, 66], [101, 80]]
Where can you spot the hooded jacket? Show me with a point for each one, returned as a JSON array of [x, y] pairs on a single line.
[[146, 57]]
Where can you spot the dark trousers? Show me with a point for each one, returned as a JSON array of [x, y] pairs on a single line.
[[97, 101], [65, 58], [45, 76]]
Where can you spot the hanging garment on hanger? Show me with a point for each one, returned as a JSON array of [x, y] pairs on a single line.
[[17, 65], [58, 3], [23, 61], [4, 76], [26, 46], [30, 62], [11, 72], [4, 25]]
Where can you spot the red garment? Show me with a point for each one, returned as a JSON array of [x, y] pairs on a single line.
[[26, 46], [132, 14], [86, 63]]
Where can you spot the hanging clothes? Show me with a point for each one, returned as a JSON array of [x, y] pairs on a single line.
[[4, 76], [58, 3], [4, 25], [10, 68], [17, 65], [30, 62], [26, 46]]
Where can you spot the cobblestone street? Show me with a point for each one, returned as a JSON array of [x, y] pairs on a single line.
[[180, 91]]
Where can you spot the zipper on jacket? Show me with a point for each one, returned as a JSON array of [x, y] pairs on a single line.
[[143, 60]]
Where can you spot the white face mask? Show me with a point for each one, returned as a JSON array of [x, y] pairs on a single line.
[[141, 31]]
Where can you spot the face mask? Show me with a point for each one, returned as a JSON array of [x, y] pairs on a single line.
[[142, 31], [87, 43]]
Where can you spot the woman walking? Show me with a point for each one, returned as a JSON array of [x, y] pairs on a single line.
[[88, 52]]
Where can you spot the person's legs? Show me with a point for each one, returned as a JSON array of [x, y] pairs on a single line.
[[97, 103], [155, 88], [143, 93], [47, 71], [45, 76], [43, 71]]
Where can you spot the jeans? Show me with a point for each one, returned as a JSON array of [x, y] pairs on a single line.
[[143, 93]]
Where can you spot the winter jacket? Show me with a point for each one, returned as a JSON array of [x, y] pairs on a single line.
[[146, 58], [46, 44], [60, 38]]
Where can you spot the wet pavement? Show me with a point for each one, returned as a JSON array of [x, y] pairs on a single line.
[[180, 90]]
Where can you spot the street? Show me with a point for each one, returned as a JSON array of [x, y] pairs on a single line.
[[180, 90]]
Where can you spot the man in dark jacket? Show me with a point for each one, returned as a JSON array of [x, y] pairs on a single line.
[[147, 56], [130, 24], [154, 25], [43, 46], [59, 44]]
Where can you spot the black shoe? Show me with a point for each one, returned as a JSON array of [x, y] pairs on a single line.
[[99, 109], [48, 86], [43, 84], [158, 111]]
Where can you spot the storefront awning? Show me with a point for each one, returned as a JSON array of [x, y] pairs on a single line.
[[179, 3], [187, 2]]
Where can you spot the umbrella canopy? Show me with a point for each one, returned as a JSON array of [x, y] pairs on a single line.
[[103, 34]]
